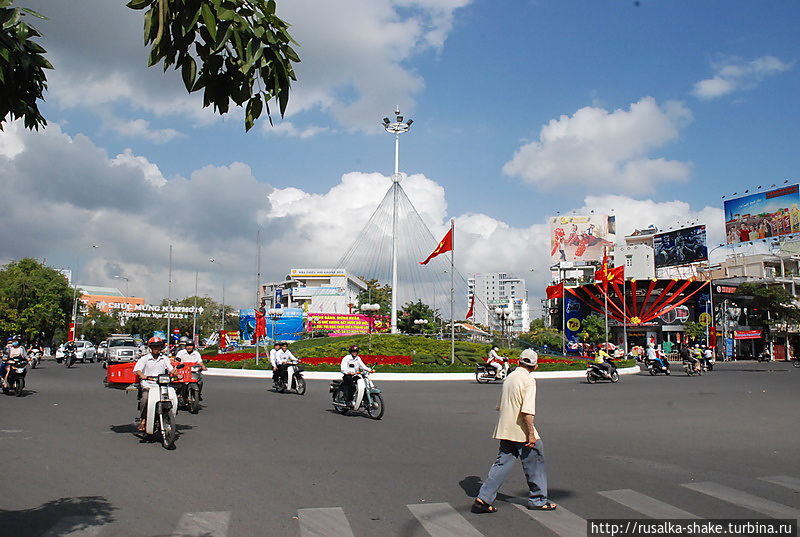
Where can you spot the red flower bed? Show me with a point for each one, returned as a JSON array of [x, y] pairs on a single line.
[[367, 358], [231, 356]]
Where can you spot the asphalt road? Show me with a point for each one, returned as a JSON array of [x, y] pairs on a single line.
[[253, 460]]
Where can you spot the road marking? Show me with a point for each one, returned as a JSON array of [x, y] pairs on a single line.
[[75, 526], [645, 505], [324, 522], [441, 520], [561, 521], [743, 499], [789, 482], [207, 524]]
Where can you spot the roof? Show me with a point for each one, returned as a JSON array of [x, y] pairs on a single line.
[[100, 291]]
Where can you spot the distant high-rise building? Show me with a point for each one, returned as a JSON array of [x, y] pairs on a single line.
[[499, 289]]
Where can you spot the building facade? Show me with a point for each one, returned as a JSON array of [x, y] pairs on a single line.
[[499, 289], [314, 291], [638, 261]]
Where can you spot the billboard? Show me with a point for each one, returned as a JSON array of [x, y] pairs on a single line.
[[680, 247], [764, 214], [580, 237]]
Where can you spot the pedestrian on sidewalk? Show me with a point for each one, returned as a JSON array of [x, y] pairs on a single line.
[[518, 440]]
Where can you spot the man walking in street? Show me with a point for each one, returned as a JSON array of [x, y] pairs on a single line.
[[518, 440]]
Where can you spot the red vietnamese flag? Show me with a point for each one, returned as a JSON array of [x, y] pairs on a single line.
[[446, 245], [471, 311], [555, 291]]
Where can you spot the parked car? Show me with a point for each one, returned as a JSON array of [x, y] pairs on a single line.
[[84, 350], [121, 349]]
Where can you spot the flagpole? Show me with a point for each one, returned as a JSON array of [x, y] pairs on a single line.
[[625, 317], [563, 320], [605, 288], [452, 291]]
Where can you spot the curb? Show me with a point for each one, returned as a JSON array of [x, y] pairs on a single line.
[[324, 375]]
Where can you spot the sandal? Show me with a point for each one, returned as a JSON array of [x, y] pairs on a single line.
[[544, 507], [479, 506]]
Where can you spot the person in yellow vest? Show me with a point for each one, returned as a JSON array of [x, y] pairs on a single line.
[[601, 358]]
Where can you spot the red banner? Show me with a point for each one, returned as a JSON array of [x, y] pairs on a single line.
[[747, 334]]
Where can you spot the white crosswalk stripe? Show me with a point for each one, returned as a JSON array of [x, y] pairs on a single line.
[[791, 483], [744, 499], [645, 505], [74, 526], [561, 521], [205, 524], [441, 520], [324, 522]]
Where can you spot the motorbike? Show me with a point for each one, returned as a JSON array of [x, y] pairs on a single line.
[[70, 356], [594, 373], [485, 373], [654, 367], [707, 364], [796, 362], [367, 397], [16, 376], [35, 358], [690, 370], [162, 404], [187, 389], [294, 379], [764, 356]]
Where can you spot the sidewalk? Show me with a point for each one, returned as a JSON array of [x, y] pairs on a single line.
[[325, 375]]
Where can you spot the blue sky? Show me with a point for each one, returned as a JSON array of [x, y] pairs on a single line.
[[481, 82]]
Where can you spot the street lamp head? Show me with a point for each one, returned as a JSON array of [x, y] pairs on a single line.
[[211, 260], [386, 121], [409, 122]]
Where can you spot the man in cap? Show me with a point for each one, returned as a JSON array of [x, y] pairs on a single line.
[[518, 440]]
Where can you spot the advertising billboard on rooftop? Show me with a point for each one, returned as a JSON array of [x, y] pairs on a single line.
[[580, 237], [773, 213], [680, 247]]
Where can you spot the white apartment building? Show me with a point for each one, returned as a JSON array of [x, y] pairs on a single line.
[[638, 259], [499, 289], [315, 291]]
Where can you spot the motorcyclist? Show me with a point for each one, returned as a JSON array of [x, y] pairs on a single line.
[[708, 355], [601, 358], [654, 356], [16, 351], [151, 364], [351, 366], [500, 363], [283, 358], [686, 356], [273, 361], [189, 355]]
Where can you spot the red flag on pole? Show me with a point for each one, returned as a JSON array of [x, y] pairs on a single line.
[[471, 311], [446, 245], [555, 291]]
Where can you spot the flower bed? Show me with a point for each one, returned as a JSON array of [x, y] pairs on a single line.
[[333, 360]]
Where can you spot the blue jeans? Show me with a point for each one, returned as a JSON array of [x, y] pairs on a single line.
[[532, 464]]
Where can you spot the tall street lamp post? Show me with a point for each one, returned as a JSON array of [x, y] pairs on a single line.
[[222, 316], [505, 317], [72, 336], [397, 128]]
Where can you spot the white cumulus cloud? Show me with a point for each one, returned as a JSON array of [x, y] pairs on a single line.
[[734, 74], [609, 150]]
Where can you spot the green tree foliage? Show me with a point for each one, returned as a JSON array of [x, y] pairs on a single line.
[[769, 304], [233, 50], [539, 335], [695, 330], [376, 294], [593, 330], [417, 310], [22, 67], [97, 325], [35, 300]]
